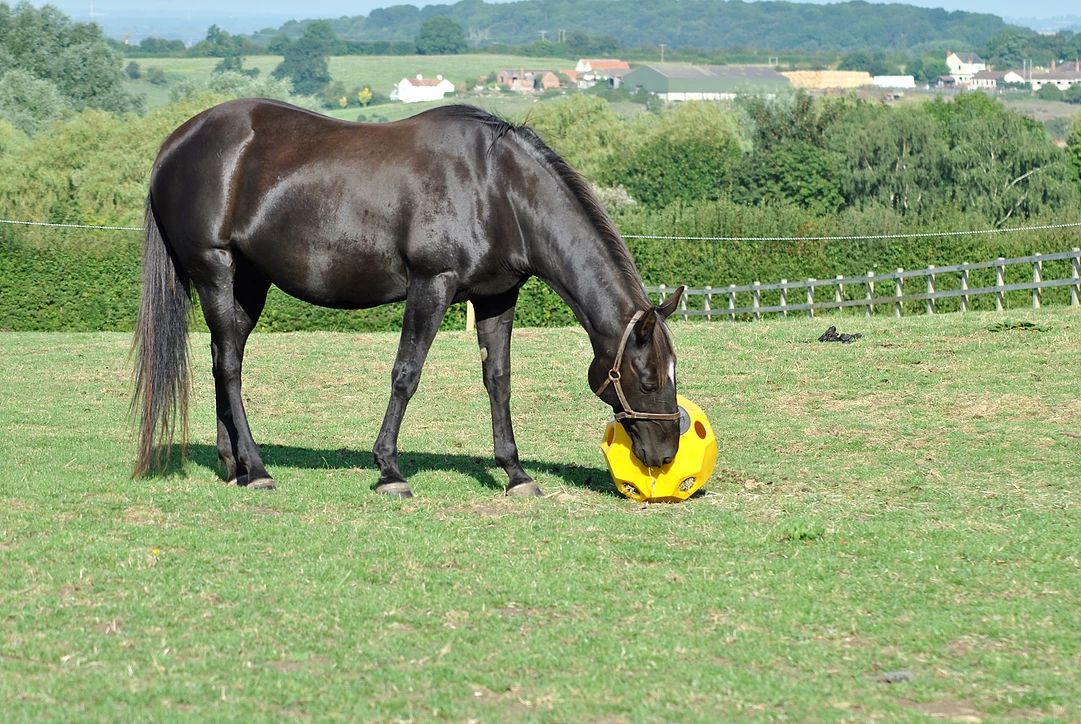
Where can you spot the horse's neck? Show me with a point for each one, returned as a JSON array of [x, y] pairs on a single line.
[[583, 269]]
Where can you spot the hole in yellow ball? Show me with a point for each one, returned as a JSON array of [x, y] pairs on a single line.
[[611, 434], [699, 429]]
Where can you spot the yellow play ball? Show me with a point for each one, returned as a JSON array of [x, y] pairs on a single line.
[[676, 481]]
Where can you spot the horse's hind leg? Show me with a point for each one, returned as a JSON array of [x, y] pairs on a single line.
[[425, 306], [495, 317], [232, 300]]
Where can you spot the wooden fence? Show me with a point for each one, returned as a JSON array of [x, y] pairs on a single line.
[[957, 288]]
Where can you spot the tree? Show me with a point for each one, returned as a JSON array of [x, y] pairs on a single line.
[[873, 63], [132, 70], [793, 171], [1050, 92], [28, 103], [305, 60], [583, 129], [74, 57], [890, 156], [999, 162], [927, 69], [1073, 95], [686, 155], [441, 36], [156, 76], [161, 46], [234, 63], [1073, 151]]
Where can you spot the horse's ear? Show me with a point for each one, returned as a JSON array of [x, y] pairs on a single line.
[[643, 329], [665, 310]]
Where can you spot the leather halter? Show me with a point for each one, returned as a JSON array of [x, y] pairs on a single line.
[[614, 377]]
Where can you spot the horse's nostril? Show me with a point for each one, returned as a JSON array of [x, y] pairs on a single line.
[[667, 459]]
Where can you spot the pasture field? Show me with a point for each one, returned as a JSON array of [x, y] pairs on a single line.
[[892, 532], [380, 72]]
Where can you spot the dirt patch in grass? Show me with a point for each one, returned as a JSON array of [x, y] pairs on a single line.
[[288, 665], [143, 515]]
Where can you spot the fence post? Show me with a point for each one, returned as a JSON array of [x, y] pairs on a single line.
[[756, 301], [1075, 264], [898, 282], [839, 291], [810, 297], [870, 309], [784, 298], [1037, 277], [663, 295], [470, 317], [683, 306], [1000, 274], [930, 288], [732, 302], [707, 303], [964, 287]]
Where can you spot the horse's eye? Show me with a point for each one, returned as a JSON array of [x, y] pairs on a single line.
[[649, 385]]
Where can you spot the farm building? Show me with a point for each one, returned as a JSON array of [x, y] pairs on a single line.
[[590, 71], [675, 83], [893, 81], [1062, 78], [994, 79], [419, 88]]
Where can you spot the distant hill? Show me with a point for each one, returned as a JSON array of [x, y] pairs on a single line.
[[707, 24]]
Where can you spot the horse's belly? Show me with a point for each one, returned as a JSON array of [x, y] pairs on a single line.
[[345, 274]]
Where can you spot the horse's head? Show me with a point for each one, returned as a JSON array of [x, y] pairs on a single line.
[[637, 377]]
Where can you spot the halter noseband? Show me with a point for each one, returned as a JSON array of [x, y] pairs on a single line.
[[614, 377]]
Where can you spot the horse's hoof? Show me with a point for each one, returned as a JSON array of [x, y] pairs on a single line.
[[395, 490], [527, 490], [262, 484]]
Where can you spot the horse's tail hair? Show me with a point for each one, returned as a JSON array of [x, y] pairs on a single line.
[[160, 348]]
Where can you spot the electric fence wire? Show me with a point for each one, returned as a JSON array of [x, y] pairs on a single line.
[[656, 237]]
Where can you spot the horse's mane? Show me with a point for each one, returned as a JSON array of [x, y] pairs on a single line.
[[574, 182]]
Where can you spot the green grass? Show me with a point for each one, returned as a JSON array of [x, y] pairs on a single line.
[[908, 503]]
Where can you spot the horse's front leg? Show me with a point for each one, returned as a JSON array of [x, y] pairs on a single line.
[[495, 317], [425, 306]]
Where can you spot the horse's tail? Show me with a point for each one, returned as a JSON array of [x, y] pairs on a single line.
[[160, 347]]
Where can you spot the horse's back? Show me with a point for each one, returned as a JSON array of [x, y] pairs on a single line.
[[336, 213]]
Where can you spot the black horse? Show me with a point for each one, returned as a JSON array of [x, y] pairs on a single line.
[[452, 204]]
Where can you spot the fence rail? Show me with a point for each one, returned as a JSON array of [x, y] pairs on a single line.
[[953, 282]]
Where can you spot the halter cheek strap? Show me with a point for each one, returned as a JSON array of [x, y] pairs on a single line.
[[614, 377]]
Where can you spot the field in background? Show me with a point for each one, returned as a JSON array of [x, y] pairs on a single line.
[[378, 71], [902, 509], [383, 71]]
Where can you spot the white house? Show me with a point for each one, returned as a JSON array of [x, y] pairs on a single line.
[[963, 66], [419, 88]]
